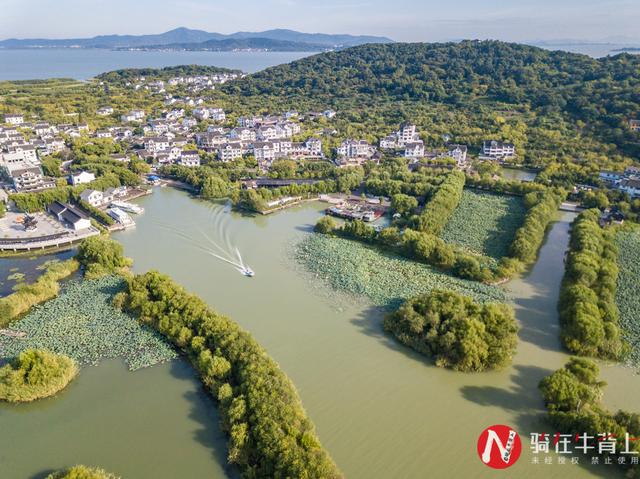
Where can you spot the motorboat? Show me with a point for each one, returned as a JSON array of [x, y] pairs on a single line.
[[128, 207], [247, 272]]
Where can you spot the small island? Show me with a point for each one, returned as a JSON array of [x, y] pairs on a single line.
[[35, 374], [457, 332], [82, 472]]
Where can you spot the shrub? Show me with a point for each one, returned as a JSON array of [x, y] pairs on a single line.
[[101, 255], [35, 374], [325, 225], [455, 331], [443, 203], [573, 395], [82, 472]]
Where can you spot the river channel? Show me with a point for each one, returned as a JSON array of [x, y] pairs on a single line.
[[381, 410]]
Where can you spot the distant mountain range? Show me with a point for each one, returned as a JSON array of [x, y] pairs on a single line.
[[185, 38]]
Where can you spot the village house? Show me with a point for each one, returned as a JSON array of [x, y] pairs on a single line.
[[458, 153], [355, 149], [104, 111], [634, 125], [14, 119], [243, 134], [189, 158], [93, 197], [81, 178], [230, 151], [497, 150], [69, 216], [630, 186], [414, 150]]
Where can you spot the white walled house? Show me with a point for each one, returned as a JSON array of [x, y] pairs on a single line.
[[14, 119], [81, 178], [230, 151], [497, 150], [414, 150], [94, 197], [104, 111], [630, 187], [189, 158]]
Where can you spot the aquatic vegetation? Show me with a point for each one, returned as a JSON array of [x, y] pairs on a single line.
[[83, 324], [485, 223], [35, 374], [385, 279], [82, 472], [18, 277], [454, 330], [44, 288], [627, 296]]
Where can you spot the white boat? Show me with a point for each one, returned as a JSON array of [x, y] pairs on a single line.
[[121, 217], [247, 272], [128, 207]]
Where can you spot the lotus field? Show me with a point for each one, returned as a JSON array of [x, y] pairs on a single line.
[[386, 280], [485, 223], [627, 293], [81, 323]]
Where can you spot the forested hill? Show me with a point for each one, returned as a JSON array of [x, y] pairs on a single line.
[[599, 95]]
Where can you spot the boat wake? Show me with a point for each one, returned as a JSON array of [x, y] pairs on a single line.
[[225, 252]]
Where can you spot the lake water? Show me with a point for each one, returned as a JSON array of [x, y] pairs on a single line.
[[381, 410], [82, 64]]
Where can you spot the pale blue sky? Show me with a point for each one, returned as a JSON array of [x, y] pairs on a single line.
[[403, 20]]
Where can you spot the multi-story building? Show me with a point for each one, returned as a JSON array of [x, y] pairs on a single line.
[[497, 150]]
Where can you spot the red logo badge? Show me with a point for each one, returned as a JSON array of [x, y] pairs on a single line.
[[499, 446]]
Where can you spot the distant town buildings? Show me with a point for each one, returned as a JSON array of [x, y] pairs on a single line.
[[634, 125]]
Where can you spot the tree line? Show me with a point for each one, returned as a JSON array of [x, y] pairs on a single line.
[[270, 435], [589, 315]]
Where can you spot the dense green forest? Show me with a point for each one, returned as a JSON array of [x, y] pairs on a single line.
[[454, 330], [552, 105]]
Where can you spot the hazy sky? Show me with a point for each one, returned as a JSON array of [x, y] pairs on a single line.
[[403, 20]]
